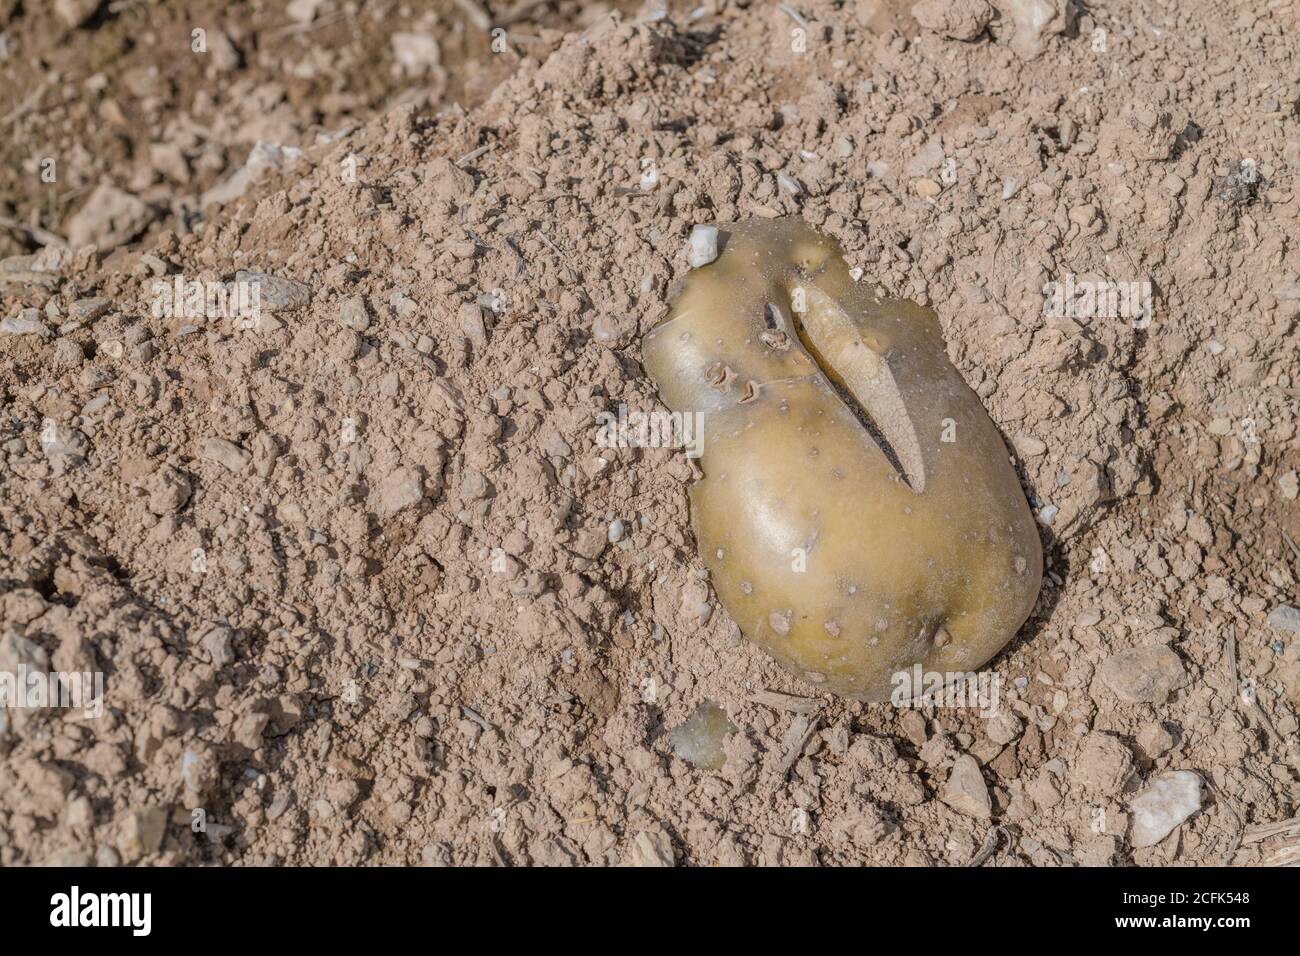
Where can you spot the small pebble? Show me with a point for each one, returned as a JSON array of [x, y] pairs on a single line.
[[276, 292], [87, 310], [927, 188], [25, 323], [1029, 446], [1163, 806], [703, 247], [966, 792], [353, 314], [1289, 484], [64, 442], [1143, 675], [226, 453], [1285, 618]]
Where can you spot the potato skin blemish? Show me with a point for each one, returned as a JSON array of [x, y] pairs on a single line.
[[847, 426]]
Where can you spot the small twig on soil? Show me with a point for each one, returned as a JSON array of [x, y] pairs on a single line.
[[1235, 843], [990, 844], [1292, 752], [473, 715], [779, 701], [1262, 831], [1291, 544], [524, 39], [292, 28], [546, 239], [477, 15], [472, 155], [1287, 854], [796, 738], [29, 103], [793, 14], [521, 264], [43, 236], [496, 851], [1284, 851], [521, 11], [1253, 706]]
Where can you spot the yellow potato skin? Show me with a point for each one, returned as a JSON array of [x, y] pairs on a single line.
[[840, 566]]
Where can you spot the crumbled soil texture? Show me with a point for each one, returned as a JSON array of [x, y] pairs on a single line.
[[168, 99], [349, 572]]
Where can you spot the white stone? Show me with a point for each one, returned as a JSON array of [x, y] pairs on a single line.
[[76, 13], [302, 11], [1159, 809], [1290, 485], [703, 247], [416, 52]]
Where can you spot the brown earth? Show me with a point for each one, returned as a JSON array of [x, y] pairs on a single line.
[[167, 99]]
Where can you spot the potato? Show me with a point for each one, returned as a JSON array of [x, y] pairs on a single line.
[[858, 513]]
